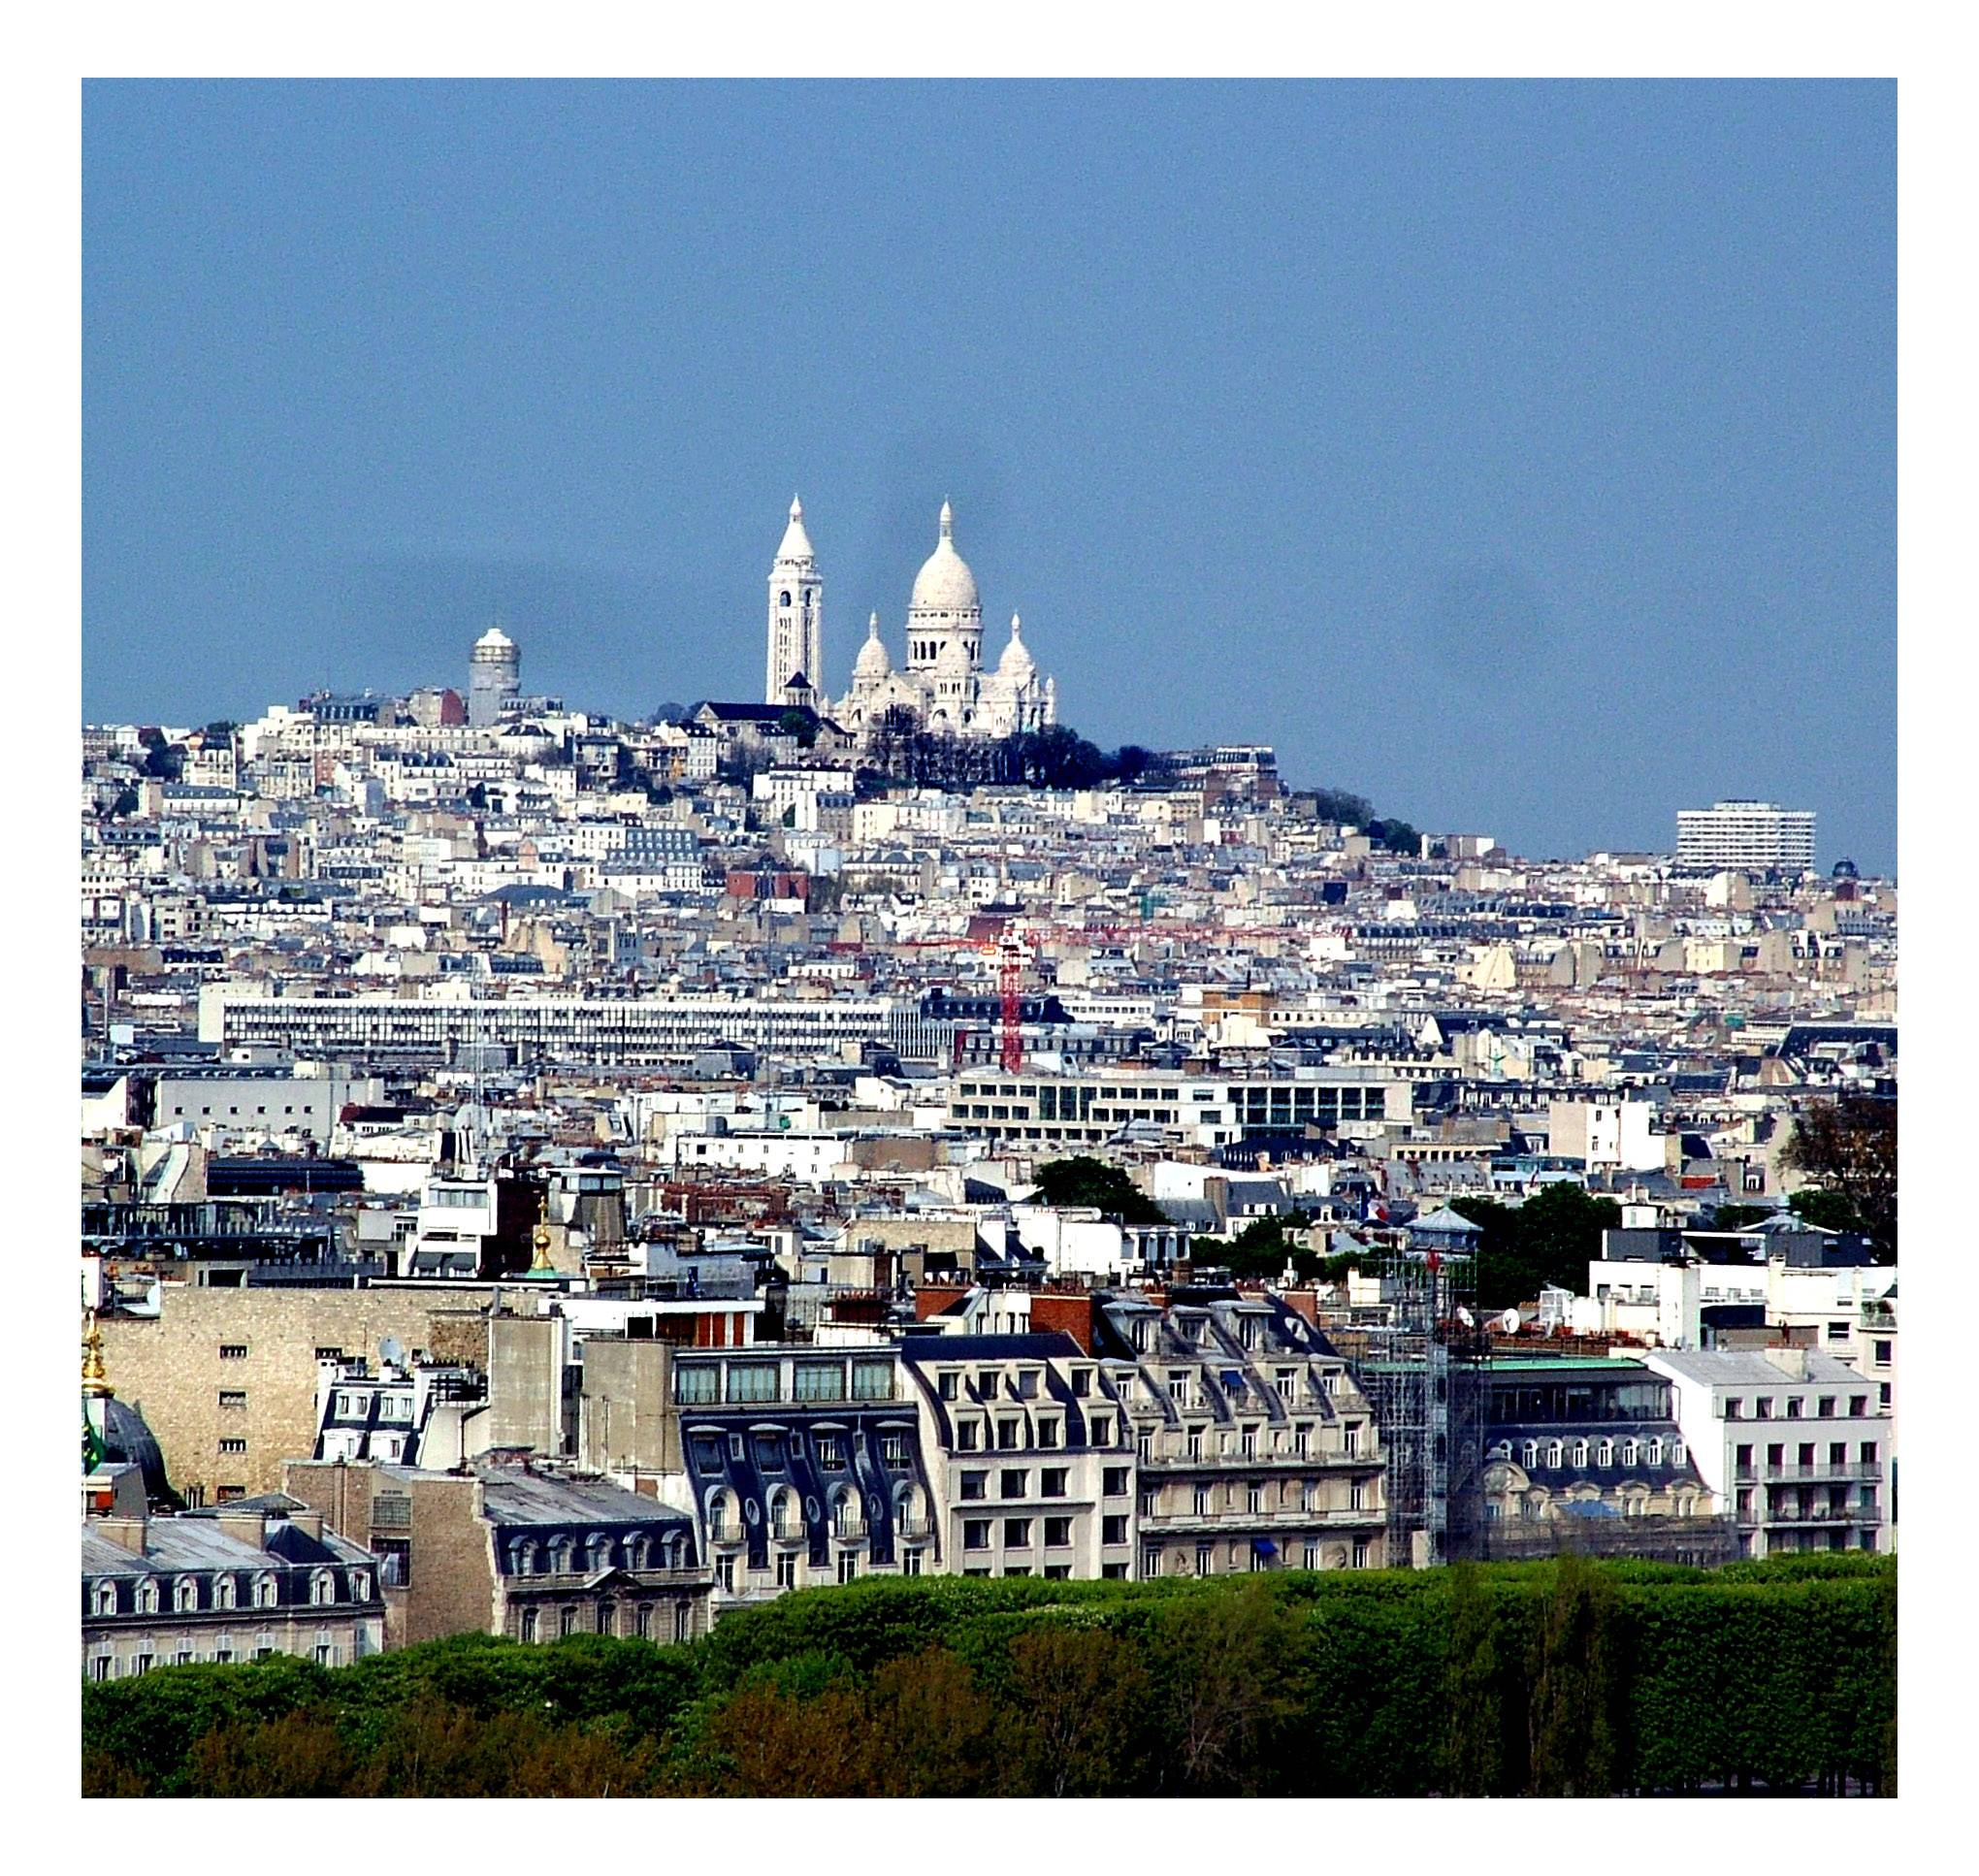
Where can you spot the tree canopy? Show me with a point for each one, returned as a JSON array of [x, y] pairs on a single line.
[[1495, 1679], [1848, 1147], [1549, 1239], [1084, 1180]]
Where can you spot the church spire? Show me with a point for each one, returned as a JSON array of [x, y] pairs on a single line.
[[947, 521]]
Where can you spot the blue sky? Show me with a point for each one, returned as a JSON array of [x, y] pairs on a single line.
[[1522, 455]]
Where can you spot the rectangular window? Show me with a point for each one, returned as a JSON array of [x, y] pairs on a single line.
[[1113, 1528], [233, 1351], [910, 1563], [1014, 1483], [1824, 1407], [1048, 1434], [830, 1453], [1858, 1406], [820, 1382], [1058, 1571], [233, 1445], [1113, 1572], [232, 1398], [975, 1485], [945, 1385], [1360, 1553], [697, 1384], [786, 1569], [1794, 1404], [1009, 1434], [1058, 1533], [724, 1575], [1017, 1533], [1734, 1410], [848, 1565], [1114, 1481], [1881, 1354], [1051, 1482], [872, 1380], [975, 1533], [968, 1434], [752, 1381]]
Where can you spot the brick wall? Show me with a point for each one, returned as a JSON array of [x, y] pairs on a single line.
[[171, 1368]]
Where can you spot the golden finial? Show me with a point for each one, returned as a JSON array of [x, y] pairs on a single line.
[[94, 1381], [542, 1267]]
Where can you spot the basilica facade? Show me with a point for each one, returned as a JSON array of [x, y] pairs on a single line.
[[943, 687]]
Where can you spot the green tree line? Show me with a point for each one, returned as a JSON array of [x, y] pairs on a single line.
[[1563, 1678]]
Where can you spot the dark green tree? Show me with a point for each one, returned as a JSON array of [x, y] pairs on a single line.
[[1849, 1147], [1572, 1685], [1084, 1180]]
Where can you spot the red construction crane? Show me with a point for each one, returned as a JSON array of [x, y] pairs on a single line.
[[1011, 975]]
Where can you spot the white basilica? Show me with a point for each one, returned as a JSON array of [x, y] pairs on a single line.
[[944, 686]]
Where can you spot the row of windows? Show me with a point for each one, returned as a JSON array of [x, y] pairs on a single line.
[[223, 1591], [142, 1659], [1018, 1533], [639, 1619], [1602, 1454], [1252, 1555], [702, 1383], [1762, 1405]]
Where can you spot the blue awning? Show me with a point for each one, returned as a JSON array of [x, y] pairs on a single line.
[[1264, 1548]]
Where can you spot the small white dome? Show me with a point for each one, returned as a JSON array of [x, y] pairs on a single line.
[[945, 583], [951, 657], [872, 662], [494, 640], [1016, 660]]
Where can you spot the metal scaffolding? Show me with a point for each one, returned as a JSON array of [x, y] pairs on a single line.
[[1420, 1371]]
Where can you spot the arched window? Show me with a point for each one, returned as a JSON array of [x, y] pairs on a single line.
[[1656, 1452], [264, 1592], [360, 1585], [106, 1599], [147, 1596], [1532, 1454], [1552, 1454], [223, 1593], [1605, 1453], [1579, 1454], [1676, 1454], [185, 1594], [323, 1587], [525, 1559], [783, 598], [1627, 1452]]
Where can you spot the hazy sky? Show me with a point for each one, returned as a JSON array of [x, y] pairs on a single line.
[[1522, 456]]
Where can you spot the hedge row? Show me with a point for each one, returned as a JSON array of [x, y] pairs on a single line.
[[1563, 1678]]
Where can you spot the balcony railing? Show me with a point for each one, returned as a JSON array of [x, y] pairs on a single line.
[[1851, 1474]]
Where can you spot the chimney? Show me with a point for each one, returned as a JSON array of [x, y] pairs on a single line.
[[308, 1523], [127, 1533], [1791, 1361], [250, 1528]]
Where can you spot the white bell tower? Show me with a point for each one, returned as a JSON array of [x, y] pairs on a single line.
[[797, 605]]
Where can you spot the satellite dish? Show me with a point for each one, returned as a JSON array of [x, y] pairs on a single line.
[[1508, 1322]]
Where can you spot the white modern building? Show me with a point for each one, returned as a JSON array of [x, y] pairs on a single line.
[[1791, 1440], [1754, 835]]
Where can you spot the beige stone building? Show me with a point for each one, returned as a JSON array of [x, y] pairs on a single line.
[[226, 1378]]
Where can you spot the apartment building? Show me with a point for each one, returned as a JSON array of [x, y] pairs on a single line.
[[516, 1546], [229, 1585], [1747, 836], [1029, 1469], [1254, 1447], [1791, 1438]]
